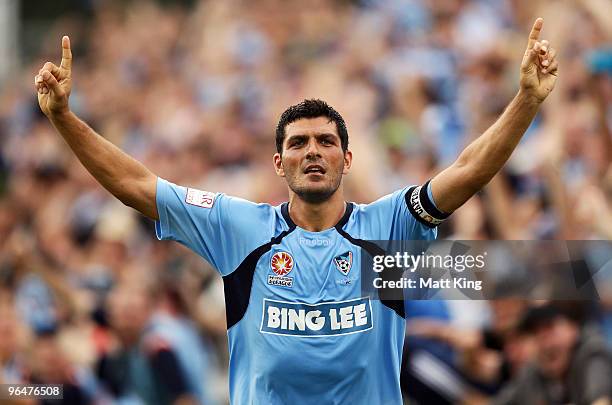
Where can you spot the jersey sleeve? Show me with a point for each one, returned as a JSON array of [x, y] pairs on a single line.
[[407, 214], [221, 229]]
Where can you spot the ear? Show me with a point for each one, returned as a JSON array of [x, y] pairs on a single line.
[[348, 160], [278, 165]]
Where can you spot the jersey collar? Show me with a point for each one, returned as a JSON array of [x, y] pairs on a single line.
[[347, 213]]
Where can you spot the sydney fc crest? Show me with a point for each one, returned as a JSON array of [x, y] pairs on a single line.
[[344, 262]]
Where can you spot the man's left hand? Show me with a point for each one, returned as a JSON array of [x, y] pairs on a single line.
[[539, 69]]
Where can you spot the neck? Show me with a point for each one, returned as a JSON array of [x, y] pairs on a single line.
[[317, 217]]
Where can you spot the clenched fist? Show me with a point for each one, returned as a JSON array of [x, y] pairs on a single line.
[[54, 83], [539, 68]]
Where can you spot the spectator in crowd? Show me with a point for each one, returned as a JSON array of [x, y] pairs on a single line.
[[160, 358], [571, 364], [48, 364]]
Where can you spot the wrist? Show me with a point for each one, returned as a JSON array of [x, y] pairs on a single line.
[[528, 98], [59, 115]]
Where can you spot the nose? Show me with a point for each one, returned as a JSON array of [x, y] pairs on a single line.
[[312, 151]]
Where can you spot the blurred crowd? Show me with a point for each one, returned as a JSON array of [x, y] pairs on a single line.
[[90, 299]]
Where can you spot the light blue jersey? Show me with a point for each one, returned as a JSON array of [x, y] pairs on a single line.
[[300, 330]]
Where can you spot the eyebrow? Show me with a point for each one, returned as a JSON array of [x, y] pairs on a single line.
[[324, 134]]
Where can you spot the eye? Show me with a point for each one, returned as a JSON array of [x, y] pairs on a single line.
[[296, 142], [327, 141]]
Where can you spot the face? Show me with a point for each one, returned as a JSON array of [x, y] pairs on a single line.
[[312, 161], [129, 312], [554, 344], [507, 313], [48, 362]]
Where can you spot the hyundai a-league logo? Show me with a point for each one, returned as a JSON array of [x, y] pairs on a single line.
[[344, 262], [281, 264]]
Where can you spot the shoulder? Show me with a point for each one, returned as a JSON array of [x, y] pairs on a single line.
[[377, 220], [383, 204], [591, 345], [416, 201], [401, 215], [203, 202]]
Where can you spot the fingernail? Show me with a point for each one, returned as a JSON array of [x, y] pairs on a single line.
[[543, 70], [544, 48], [545, 62]]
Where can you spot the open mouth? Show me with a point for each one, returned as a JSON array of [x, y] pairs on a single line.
[[314, 169]]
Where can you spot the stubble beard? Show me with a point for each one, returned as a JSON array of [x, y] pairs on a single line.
[[316, 195]]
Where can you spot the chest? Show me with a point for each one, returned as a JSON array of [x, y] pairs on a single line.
[[310, 269]]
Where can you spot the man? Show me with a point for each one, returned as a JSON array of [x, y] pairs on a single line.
[[299, 329], [49, 363], [161, 359], [572, 363]]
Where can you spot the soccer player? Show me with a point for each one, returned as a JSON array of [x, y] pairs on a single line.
[[299, 329]]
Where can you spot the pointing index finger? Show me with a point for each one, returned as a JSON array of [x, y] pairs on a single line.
[[535, 32], [66, 53]]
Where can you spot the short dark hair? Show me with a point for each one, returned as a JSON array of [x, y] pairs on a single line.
[[536, 317], [312, 108]]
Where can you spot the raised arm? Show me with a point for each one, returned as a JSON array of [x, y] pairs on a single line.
[[125, 178], [485, 156]]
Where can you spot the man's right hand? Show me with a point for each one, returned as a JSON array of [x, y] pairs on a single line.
[[54, 83], [126, 178]]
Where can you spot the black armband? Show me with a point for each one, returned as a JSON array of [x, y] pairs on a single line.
[[422, 208]]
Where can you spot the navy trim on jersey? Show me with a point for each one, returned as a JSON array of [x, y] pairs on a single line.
[[374, 250], [286, 216], [341, 222], [237, 285], [347, 214], [422, 208]]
